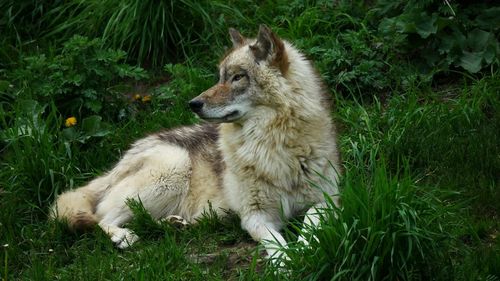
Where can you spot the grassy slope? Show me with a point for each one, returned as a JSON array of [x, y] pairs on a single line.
[[420, 190], [450, 150]]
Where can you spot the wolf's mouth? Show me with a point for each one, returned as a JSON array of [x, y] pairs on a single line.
[[230, 117]]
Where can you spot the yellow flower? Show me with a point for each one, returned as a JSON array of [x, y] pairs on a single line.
[[70, 122], [137, 97], [146, 98]]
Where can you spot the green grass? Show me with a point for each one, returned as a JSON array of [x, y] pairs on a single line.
[[388, 228], [411, 210], [152, 32], [419, 146]]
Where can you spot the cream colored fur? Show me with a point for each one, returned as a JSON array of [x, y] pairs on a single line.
[[275, 138]]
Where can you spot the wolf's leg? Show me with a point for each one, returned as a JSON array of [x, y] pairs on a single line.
[[111, 224], [122, 237], [158, 182], [263, 230], [175, 220], [312, 220]]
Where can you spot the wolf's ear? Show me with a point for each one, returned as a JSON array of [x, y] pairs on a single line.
[[236, 37], [270, 47], [263, 48]]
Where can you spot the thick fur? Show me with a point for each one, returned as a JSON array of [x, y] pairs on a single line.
[[267, 153]]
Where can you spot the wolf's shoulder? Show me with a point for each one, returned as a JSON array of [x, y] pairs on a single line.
[[192, 138]]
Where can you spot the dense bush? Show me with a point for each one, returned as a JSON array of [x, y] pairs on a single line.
[[382, 47], [444, 34], [81, 80]]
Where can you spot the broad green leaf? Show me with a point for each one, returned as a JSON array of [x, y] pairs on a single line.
[[70, 134], [93, 126], [405, 24], [491, 53], [431, 56], [471, 61], [386, 27], [452, 44], [447, 42], [443, 22], [489, 18], [426, 25], [478, 39]]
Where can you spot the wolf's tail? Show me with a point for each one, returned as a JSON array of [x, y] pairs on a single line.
[[76, 207]]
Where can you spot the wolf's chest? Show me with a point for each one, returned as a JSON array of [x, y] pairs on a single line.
[[249, 194]]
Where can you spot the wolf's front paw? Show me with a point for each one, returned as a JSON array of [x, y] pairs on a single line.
[[124, 238], [302, 239], [279, 262], [176, 221]]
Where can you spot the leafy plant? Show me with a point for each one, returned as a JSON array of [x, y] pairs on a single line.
[[30, 128], [91, 126], [187, 81], [354, 63], [444, 34], [353, 58], [79, 80]]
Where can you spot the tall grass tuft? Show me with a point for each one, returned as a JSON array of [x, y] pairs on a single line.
[[153, 32], [388, 228], [43, 163]]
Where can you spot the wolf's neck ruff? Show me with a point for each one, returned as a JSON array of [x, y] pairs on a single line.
[[288, 123]]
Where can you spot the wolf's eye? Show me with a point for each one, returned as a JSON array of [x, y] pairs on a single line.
[[237, 77]]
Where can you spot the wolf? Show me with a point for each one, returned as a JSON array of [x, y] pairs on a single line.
[[267, 152]]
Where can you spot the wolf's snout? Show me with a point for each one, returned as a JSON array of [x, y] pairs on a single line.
[[196, 105]]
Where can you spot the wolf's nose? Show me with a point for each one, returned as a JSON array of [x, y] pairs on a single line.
[[196, 105]]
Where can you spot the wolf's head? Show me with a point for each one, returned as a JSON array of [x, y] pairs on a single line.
[[246, 73]]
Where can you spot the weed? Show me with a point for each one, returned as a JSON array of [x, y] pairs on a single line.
[[78, 80]]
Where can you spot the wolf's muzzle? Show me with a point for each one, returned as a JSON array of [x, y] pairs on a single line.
[[196, 106]]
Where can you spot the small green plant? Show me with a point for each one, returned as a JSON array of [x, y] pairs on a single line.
[[355, 63], [80, 80], [187, 81], [144, 225], [91, 126], [29, 128]]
